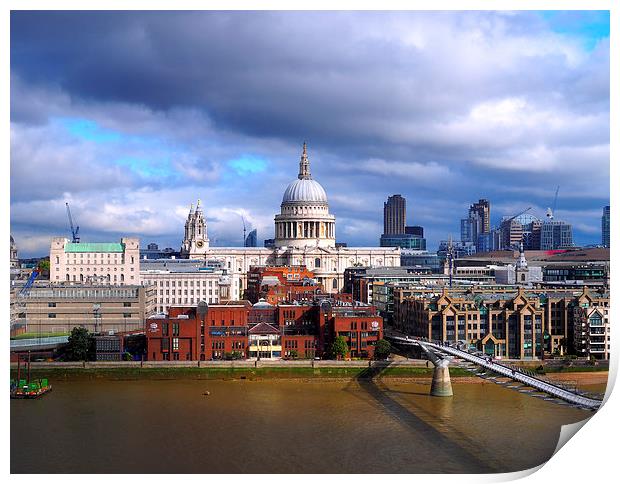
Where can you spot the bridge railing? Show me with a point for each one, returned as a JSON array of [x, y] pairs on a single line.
[[526, 371], [515, 374], [527, 379]]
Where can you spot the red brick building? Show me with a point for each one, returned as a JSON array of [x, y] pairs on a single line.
[[185, 334], [292, 291], [360, 325], [302, 330], [261, 278], [238, 329]]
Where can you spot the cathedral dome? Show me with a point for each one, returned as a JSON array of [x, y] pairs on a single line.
[[304, 219], [304, 190]]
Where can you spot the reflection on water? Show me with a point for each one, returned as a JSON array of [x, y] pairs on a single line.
[[281, 426]]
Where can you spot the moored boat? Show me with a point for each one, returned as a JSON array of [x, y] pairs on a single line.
[[33, 389], [28, 388]]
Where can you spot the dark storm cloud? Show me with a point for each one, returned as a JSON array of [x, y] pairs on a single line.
[[336, 77], [442, 107]]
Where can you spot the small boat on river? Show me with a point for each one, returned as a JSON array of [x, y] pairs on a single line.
[[27, 388]]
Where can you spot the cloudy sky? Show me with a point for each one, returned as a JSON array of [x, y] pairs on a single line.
[[131, 116]]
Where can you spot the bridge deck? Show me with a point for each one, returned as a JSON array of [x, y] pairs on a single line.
[[531, 381]]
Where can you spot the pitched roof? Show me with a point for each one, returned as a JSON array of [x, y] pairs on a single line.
[[264, 328]]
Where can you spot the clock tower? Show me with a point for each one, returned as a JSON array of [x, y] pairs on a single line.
[[196, 243]]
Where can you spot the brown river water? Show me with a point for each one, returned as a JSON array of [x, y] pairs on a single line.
[[281, 426]]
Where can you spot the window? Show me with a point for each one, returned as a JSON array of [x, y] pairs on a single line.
[[175, 329], [175, 344], [51, 315], [126, 304], [127, 315], [51, 305], [164, 329]]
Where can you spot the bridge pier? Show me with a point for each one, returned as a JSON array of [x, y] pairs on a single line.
[[441, 386]]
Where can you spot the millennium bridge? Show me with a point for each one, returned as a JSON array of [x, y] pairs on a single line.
[[441, 355]]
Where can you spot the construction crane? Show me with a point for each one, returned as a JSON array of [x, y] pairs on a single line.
[[20, 297], [33, 275], [75, 238], [551, 210], [517, 215], [244, 230], [506, 225]]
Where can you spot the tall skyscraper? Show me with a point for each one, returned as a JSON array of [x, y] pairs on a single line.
[[477, 223], [605, 227], [483, 209], [395, 233], [252, 239], [394, 215]]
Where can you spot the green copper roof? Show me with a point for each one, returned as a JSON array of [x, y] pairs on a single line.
[[94, 247]]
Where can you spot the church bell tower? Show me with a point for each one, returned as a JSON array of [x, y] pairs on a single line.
[[195, 242]]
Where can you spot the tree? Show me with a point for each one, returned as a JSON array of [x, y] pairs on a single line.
[[44, 268], [294, 354], [339, 348], [79, 344], [382, 349]]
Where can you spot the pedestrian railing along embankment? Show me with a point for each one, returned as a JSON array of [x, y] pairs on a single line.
[[226, 364], [516, 374]]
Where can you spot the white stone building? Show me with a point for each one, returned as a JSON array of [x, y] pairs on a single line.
[[305, 234], [187, 282], [116, 263], [519, 273]]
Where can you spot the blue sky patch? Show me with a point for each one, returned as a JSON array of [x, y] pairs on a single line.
[[248, 165], [590, 26], [89, 130], [147, 168]]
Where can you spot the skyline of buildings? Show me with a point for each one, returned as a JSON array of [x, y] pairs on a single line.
[[305, 234], [535, 233]]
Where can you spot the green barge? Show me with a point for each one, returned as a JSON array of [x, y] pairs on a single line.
[[27, 388], [33, 389]]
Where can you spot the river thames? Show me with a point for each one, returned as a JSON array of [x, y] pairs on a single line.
[[282, 426]]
